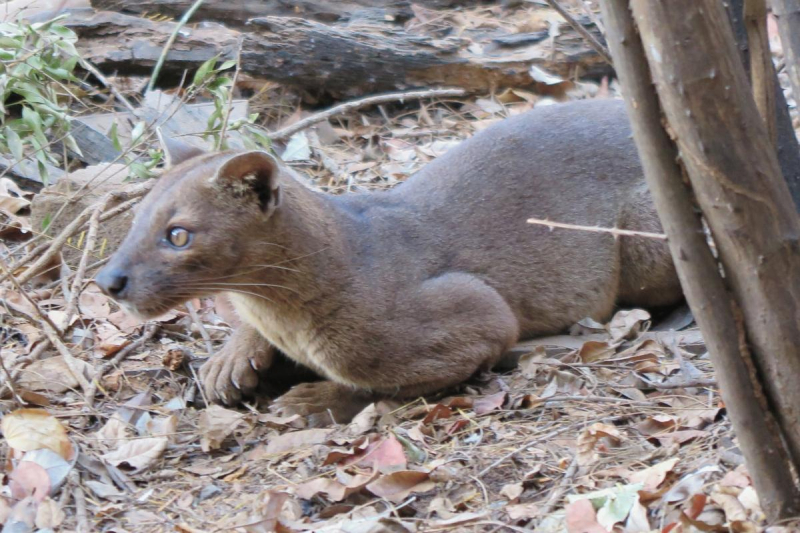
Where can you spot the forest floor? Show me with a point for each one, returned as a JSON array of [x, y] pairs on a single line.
[[613, 427]]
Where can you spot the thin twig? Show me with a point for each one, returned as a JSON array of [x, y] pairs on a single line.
[[561, 488], [46, 252], [616, 232], [346, 107], [150, 331], [35, 355], [201, 327], [91, 240], [698, 383], [70, 360], [577, 26], [224, 130], [53, 334], [41, 316], [10, 381], [110, 86], [330, 165], [529, 444], [81, 516], [180, 24]]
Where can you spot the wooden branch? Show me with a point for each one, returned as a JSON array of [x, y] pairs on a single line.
[[577, 26], [762, 72], [236, 14], [319, 58], [347, 107], [787, 13], [709, 298], [616, 232], [149, 332], [80, 273], [46, 252], [787, 143]]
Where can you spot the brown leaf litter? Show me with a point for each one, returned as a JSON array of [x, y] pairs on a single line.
[[617, 427]]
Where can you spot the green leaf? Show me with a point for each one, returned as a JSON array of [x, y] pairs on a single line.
[[46, 221], [14, 143], [204, 71], [114, 135], [227, 64]]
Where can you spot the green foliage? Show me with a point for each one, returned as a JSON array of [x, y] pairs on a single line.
[[36, 61], [209, 78]]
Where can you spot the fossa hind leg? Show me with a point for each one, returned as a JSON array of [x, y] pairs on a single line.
[[453, 326], [647, 277]]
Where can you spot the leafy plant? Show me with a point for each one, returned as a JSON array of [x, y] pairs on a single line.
[[139, 167], [209, 78], [36, 63]]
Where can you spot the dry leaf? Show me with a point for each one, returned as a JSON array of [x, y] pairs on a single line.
[[363, 421], [29, 480], [596, 436], [385, 455], [512, 491], [108, 340], [522, 511], [628, 324], [49, 515], [296, 440], [33, 429], [652, 477], [593, 351], [396, 486], [582, 518], [114, 430], [531, 363], [138, 454], [333, 489], [52, 375], [215, 424], [487, 404]]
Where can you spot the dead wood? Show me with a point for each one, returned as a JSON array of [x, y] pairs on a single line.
[[236, 14], [762, 72], [787, 13], [787, 144], [725, 170], [323, 58], [705, 291]]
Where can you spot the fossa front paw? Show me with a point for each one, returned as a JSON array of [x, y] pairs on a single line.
[[231, 375]]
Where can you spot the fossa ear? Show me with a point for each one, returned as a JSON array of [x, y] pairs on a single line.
[[175, 151], [252, 173]]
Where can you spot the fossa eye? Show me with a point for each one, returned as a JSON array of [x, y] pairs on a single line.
[[178, 237]]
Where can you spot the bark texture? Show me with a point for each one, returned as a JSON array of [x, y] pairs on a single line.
[[332, 59], [787, 144], [710, 300], [737, 181], [236, 13], [787, 13]]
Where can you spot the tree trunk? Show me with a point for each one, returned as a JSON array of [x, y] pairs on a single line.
[[738, 184], [710, 300], [320, 58], [787, 145], [235, 14], [787, 12]]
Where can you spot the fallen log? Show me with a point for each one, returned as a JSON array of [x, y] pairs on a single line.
[[328, 59], [235, 14]]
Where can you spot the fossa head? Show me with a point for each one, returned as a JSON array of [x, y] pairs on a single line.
[[192, 235]]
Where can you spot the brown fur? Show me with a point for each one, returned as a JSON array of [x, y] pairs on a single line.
[[412, 290]]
